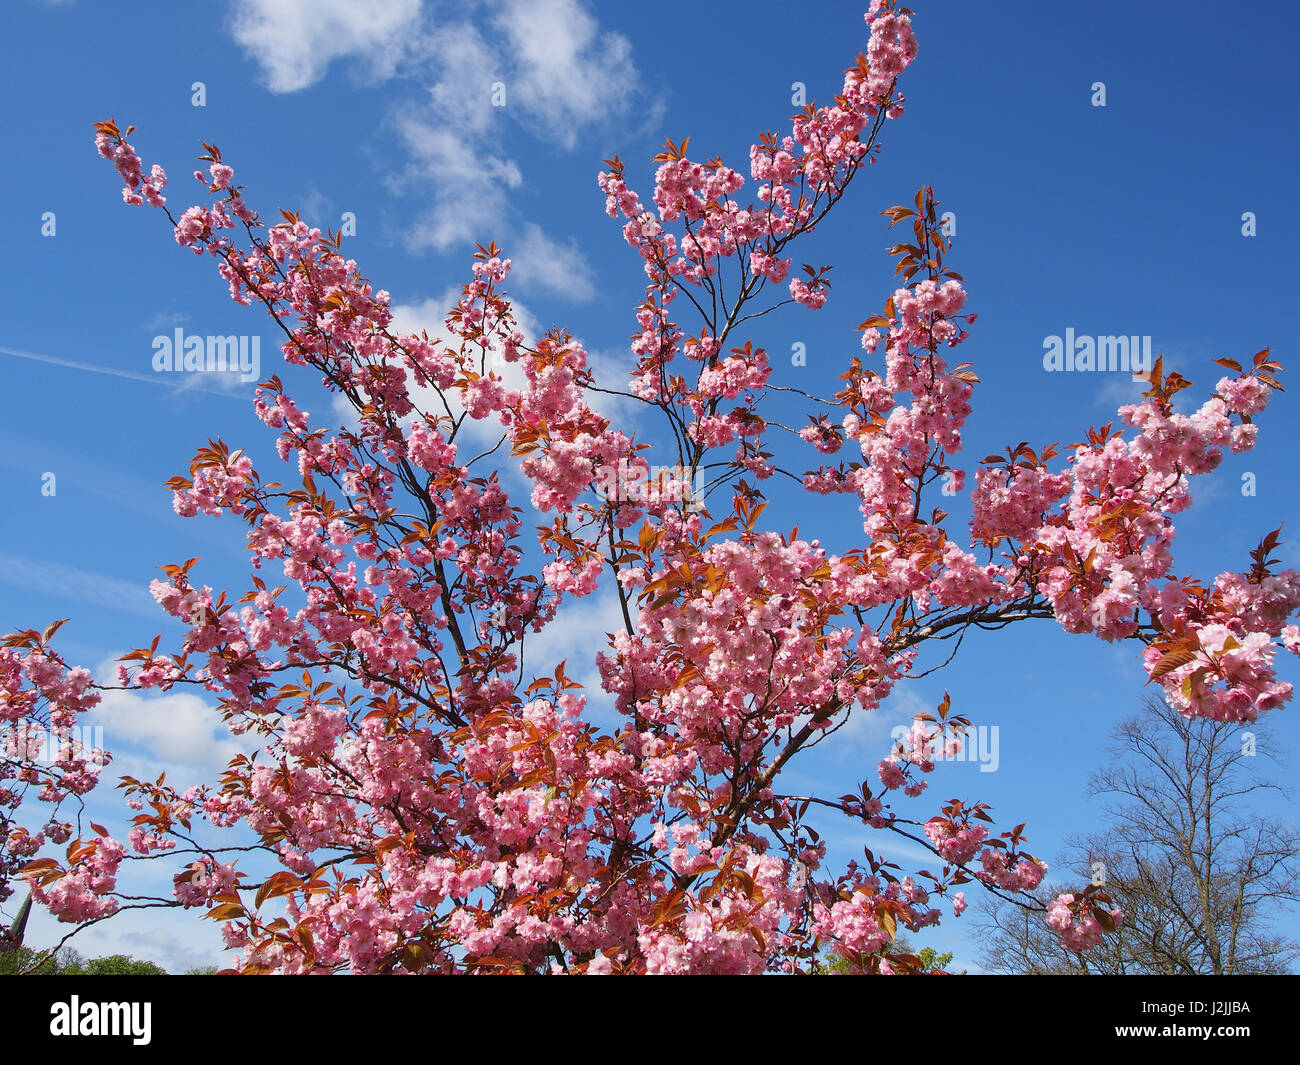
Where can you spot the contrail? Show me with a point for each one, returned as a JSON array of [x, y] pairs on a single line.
[[70, 582], [152, 379]]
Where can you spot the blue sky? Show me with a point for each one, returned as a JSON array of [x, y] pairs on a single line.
[[1124, 219]]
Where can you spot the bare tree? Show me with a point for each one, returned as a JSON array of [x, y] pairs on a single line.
[[1199, 872]]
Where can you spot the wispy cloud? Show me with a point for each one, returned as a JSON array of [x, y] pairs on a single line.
[[166, 320], [469, 182], [318, 209], [178, 732], [560, 269], [79, 473], [868, 731], [187, 383], [69, 582], [295, 41], [567, 74], [544, 67]]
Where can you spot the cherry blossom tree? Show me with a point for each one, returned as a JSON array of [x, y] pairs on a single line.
[[421, 801]]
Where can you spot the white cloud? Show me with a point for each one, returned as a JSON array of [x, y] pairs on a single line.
[[319, 210], [575, 636], [177, 949], [542, 263], [1118, 389], [562, 75], [178, 732], [469, 184], [450, 145], [609, 370], [868, 732], [567, 73], [294, 41], [468, 66], [182, 735], [428, 316]]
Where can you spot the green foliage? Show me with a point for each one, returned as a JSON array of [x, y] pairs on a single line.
[[19, 959], [68, 962], [121, 965], [832, 964], [932, 960]]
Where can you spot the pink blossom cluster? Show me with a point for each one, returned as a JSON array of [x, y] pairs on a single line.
[[1004, 869], [1074, 921], [865, 916], [136, 188], [955, 844]]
